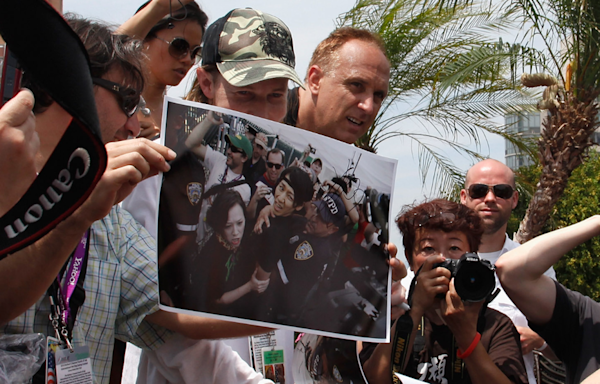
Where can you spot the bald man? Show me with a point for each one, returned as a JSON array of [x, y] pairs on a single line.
[[490, 190]]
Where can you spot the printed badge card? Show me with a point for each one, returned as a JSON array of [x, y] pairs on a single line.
[[267, 224]]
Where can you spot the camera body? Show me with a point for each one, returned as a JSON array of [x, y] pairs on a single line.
[[474, 277]]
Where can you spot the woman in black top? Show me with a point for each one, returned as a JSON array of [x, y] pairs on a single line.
[[223, 270]]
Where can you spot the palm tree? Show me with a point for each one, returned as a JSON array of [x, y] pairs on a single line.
[[449, 75], [569, 29]]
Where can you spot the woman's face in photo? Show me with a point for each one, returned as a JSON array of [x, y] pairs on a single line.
[[234, 227]]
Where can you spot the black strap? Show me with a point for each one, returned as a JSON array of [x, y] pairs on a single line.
[[79, 160], [400, 343]]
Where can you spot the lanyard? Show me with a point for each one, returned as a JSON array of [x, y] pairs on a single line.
[[65, 302], [224, 178], [72, 276]]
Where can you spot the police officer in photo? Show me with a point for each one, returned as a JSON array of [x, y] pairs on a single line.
[[306, 262]]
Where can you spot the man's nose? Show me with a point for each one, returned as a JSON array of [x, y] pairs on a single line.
[[132, 125]]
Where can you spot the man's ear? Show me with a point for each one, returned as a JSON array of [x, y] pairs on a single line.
[[313, 79], [206, 82], [515, 199], [463, 196]]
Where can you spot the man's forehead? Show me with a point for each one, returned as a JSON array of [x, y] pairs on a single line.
[[489, 171], [275, 156]]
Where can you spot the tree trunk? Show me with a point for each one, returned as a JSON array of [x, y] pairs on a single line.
[[562, 146]]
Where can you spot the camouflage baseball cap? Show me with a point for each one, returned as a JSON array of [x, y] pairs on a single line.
[[249, 46]]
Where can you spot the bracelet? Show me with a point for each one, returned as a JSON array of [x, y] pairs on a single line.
[[471, 348], [543, 347]]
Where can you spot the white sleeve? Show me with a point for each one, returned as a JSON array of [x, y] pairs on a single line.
[[142, 203]]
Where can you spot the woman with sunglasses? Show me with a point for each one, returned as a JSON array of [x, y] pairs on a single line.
[[172, 47], [443, 339]]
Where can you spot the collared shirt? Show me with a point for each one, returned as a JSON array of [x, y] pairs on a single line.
[[121, 289]]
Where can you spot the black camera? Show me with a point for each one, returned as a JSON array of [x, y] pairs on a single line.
[[474, 278]]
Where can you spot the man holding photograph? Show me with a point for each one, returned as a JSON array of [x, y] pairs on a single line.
[[261, 92], [345, 85]]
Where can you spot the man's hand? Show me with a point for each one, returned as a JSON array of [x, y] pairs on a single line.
[[263, 218], [398, 273], [529, 340], [258, 285], [19, 144], [261, 191], [129, 162], [215, 118]]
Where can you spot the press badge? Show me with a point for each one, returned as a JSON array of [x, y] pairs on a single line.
[[64, 366], [273, 364]]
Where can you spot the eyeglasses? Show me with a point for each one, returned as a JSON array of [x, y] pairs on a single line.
[[235, 149], [179, 48], [129, 98], [271, 165], [503, 191]]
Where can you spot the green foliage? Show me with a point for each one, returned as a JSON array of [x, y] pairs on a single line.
[[579, 269], [570, 30]]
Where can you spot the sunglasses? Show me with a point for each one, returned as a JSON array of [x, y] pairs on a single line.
[[503, 191], [235, 149], [271, 165], [179, 48], [129, 98]]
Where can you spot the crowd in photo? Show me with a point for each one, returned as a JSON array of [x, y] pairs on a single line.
[[215, 227], [266, 237]]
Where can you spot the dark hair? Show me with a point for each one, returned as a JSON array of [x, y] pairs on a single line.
[[106, 51], [317, 160], [438, 214], [218, 213], [300, 183], [191, 11], [277, 151]]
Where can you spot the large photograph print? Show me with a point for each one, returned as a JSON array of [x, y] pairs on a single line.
[[267, 224]]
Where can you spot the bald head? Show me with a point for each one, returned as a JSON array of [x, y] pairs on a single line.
[[489, 168], [495, 204]]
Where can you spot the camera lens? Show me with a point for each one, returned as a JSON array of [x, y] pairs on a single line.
[[474, 279]]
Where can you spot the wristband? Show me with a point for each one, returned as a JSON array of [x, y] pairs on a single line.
[[471, 348], [543, 347]]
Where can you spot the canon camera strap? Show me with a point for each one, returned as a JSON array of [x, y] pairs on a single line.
[[55, 58]]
